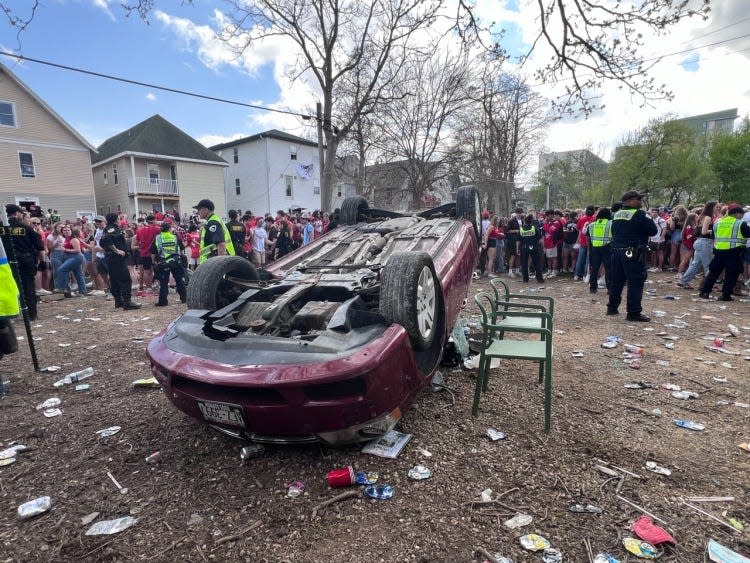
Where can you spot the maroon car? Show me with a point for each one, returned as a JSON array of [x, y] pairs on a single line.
[[332, 342]]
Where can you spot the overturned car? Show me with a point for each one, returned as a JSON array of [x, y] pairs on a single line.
[[332, 342]]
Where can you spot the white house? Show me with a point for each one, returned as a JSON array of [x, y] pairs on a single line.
[[270, 171]]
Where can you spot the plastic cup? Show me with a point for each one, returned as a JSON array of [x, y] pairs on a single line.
[[343, 477]]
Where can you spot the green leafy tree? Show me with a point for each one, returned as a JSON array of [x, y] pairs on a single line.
[[730, 160]]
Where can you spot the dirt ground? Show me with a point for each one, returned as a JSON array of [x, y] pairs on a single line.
[[200, 503]]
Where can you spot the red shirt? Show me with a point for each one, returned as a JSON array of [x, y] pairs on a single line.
[[194, 243], [550, 228], [581, 226], [145, 237], [688, 237]]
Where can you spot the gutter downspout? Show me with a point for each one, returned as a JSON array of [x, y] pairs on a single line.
[[135, 186]]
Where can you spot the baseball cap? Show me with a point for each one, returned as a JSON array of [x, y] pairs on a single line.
[[207, 203], [12, 208], [99, 218], [631, 194]]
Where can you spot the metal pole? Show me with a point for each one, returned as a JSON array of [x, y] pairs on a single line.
[[324, 190], [11, 252]]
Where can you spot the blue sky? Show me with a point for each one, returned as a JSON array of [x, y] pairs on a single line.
[[177, 50]]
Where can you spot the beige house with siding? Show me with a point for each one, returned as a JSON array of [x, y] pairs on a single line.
[[43, 160], [154, 166]]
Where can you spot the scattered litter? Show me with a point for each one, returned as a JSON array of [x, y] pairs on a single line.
[[342, 477], [720, 554], [50, 369], [89, 518], [518, 521], [741, 405], [110, 431], [380, 492], [389, 445], [726, 365], [699, 358], [534, 542], [295, 489], [486, 495], [708, 318], [689, 424], [108, 527], [552, 555], [607, 471], [733, 330], [424, 452], [154, 458], [662, 363], [635, 364], [669, 345], [51, 413], [74, 377], [605, 558], [656, 411], [419, 473], [49, 403], [718, 342], [91, 347], [366, 477], [745, 446], [684, 395], [656, 468], [148, 382], [246, 452], [11, 451], [34, 507], [123, 490], [658, 314], [496, 435], [736, 524], [609, 344], [7, 461], [587, 509], [638, 385], [577, 353], [671, 297], [639, 548], [670, 386], [634, 349], [82, 387], [437, 382], [63, 345]]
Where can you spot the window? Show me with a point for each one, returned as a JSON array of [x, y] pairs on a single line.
[[115, 178], [316, 190], [289, 185], [104, 176], [7, 114], [26, 159], [153, 172], [237, 186], [236, 154], [293, 152]]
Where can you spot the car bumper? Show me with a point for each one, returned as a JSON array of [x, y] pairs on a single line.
[[343, 400]]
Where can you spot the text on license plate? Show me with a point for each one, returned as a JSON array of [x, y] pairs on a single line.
[[224, 413]]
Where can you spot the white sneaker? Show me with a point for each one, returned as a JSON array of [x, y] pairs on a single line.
[[552, 274], [512, 274], [98, 292], [586, 278], [653, 269], [601, 283], [43, 292]]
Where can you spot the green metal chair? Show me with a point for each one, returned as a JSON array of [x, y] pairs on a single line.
[[496, 345], [506, 302]]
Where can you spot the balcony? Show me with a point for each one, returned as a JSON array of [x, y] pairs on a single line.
[[153, 187]]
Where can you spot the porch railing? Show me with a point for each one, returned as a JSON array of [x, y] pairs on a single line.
[[153, 186]]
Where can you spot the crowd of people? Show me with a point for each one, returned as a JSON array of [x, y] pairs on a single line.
[[74, 257]]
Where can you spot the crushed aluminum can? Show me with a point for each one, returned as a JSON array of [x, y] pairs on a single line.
[[534, 542], [639, 548], [246, 452], [605, 558], [419, 473], [295, 489], [552, 555], [108, 527], [148, 383], [110, 431], [50, 413], [366, 477], [496, 435], [380, 492], [670, 386], [154, 458], [658, 469], [689, 424], [518, 521], [684, 395], [34, 507], [609, 344], [584, 509], [49, 403]]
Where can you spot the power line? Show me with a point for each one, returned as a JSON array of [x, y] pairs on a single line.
[[154, 86]]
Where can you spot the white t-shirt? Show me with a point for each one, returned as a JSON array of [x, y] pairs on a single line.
[[56, 241], [661, 225], [259, 240]]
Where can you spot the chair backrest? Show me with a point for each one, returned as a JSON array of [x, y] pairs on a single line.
[[500, 288], [486, 304]]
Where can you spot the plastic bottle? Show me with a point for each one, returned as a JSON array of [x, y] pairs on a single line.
[[75, 377]]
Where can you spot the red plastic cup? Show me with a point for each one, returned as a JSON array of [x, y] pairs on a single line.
[[343, 477], [718, 342]]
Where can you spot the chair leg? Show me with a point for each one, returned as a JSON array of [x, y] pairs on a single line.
[[478, 388], [485, 369], [548, 395], [541, 371]]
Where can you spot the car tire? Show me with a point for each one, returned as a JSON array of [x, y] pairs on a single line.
[[468, 207], [209, 289], [352, 208], [410, 296]]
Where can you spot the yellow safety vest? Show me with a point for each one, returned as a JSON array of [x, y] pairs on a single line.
[[9, 306], [207, 250], [527, 232], [166, 244], [727, 233], [600, 232]]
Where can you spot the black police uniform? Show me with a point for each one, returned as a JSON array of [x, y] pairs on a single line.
[[237, 233], [631, 229], [529, 237], [119, 276], [26, 246]]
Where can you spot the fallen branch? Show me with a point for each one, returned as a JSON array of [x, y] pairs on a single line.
[[170, 547], [238, 535], [643, 510], [481, 551], [715, 518], [501, 495], [601, 487], [338, 498], [591, 411], [710, 499], [706, 387]]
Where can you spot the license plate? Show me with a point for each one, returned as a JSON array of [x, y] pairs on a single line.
[[224, 413]]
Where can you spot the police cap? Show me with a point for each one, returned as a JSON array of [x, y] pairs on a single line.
[[207, 203], [12, 209], [631, 194]]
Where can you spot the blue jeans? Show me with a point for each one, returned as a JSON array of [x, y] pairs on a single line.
[[582, 263], [56, 258], [704, 253], [499, 256], [74, 264]]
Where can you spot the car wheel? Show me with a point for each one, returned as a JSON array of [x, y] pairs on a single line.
[[468, 207], [209, 287], [409, 296], [352, 208]]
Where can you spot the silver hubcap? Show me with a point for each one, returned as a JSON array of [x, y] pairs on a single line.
[[426, 303]]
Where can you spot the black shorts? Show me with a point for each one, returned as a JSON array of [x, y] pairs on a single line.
[[512, 246], [145, 262], [101, 266], [43, 266]]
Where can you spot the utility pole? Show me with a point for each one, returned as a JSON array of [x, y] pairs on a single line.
[[324, 196], [549, 184]]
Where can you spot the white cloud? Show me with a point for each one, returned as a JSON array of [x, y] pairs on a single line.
[[151, 97], [104, 5]]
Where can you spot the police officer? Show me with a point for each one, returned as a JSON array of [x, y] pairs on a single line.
[[166, 253], [599, 236], [29, 251], [529, 235], [730, 236], [631, 228], [8, 310], [116, 254], [237, 232], [215, 239]]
